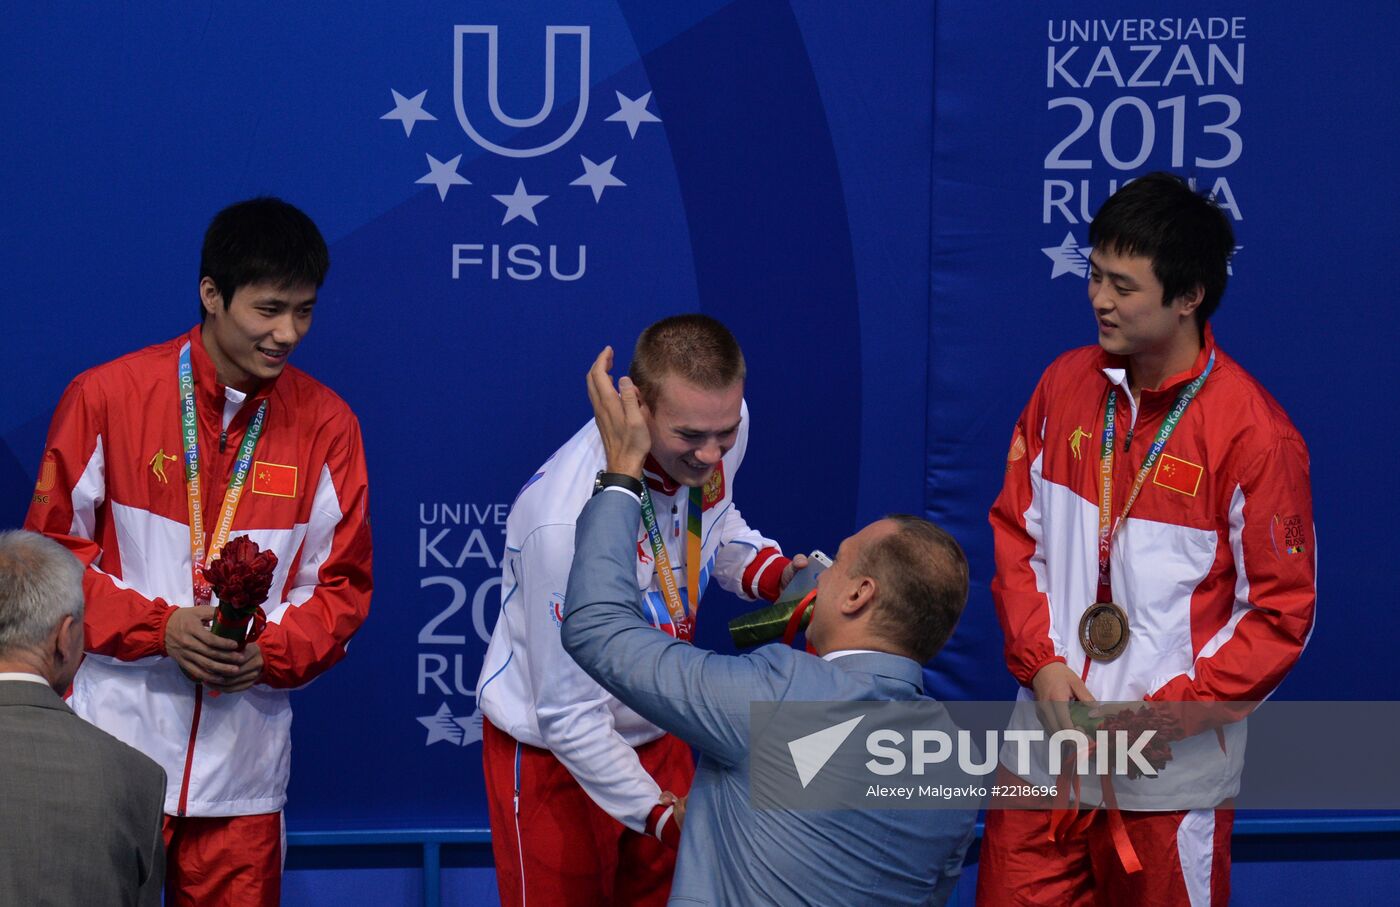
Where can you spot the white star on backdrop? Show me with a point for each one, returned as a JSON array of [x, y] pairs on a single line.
[[471, 727], [633, 113], [441, 726], [408, 110], [597, 176], [520, 204], [443, 175], [1069, 257]]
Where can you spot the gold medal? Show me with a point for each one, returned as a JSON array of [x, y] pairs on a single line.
[[1103, 631]]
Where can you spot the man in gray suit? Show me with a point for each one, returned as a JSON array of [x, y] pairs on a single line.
[[81, 811], [886, 605]]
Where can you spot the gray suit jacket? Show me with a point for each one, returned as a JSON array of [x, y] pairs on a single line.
[[80, 811], [731, 853]]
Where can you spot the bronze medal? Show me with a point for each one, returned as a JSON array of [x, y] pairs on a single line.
[[1103, 631]]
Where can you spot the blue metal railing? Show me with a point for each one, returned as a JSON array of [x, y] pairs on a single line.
[[432, 840]]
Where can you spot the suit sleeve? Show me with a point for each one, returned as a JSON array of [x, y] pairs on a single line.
[[151, 862], [1273, 549], [701, 697], [1018, 588], [572, 710], [329, 595], [68, 507]]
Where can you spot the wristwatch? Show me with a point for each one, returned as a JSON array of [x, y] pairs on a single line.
[[607, 479]]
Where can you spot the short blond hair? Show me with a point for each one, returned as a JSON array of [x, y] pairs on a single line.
[[694, 347]]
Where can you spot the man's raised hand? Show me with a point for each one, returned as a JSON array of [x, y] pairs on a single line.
[[619, 413]]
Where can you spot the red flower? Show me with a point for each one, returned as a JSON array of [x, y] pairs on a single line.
[[1158, 751], [241, 577]]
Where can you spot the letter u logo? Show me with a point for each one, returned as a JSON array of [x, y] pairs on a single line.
[[492, 88]]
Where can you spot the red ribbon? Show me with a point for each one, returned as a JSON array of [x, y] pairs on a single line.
[[258, 626], [255, 629], [1119, 829], [1063, 821], [794, 624]]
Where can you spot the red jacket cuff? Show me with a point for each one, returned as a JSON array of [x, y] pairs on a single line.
[[1035, 666], [661, 825], [764, 574], [162, 618]]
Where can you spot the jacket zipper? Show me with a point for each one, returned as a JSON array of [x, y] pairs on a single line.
[[198, 691], [189, 749]]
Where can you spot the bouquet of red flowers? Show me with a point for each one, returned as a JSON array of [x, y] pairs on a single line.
[[1134, 720], [241, 578]]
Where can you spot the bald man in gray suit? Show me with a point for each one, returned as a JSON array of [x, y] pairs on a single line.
[[80, 811]]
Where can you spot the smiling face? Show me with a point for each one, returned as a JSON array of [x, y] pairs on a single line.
[[1128, 304], [251, 339], [692, 427]]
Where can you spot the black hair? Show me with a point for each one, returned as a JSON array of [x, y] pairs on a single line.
[[1184, 232], [262, 240]]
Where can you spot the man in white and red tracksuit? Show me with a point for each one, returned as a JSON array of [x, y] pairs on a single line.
[[575, 779], [1209, 589], [213, 429]]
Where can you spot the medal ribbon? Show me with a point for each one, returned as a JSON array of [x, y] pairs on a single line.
[[682, 613], [1107, 526], [189, 433]]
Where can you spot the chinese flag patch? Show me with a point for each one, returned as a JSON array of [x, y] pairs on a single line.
[[1177, 474], [274, 479]]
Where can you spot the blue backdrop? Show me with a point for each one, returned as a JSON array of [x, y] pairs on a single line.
[[886, 203]]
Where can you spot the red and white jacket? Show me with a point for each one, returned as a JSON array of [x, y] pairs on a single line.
[[112, 489], [1215, 565], [530, 687]]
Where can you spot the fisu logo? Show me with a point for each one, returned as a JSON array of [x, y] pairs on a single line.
[[463, 33], [524, 194]]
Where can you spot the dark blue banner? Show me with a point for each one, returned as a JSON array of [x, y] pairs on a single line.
[[887, 204]]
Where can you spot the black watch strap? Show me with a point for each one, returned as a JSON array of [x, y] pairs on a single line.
[[619, 479]]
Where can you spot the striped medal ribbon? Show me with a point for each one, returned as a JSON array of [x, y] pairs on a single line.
[[189, 434], [682, 613]]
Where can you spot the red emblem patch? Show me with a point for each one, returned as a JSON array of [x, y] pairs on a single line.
[[714, 488], [274, 479], [48, 473], [1179, 475]]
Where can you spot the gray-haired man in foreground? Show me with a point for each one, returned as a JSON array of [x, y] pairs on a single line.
[[82, 809]]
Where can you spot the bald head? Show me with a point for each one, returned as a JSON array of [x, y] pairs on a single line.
[[921, 574]]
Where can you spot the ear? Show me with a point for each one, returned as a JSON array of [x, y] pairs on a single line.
[[860, 596], [209, 296], [59, 642], [647, 414], [1188, 302]]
